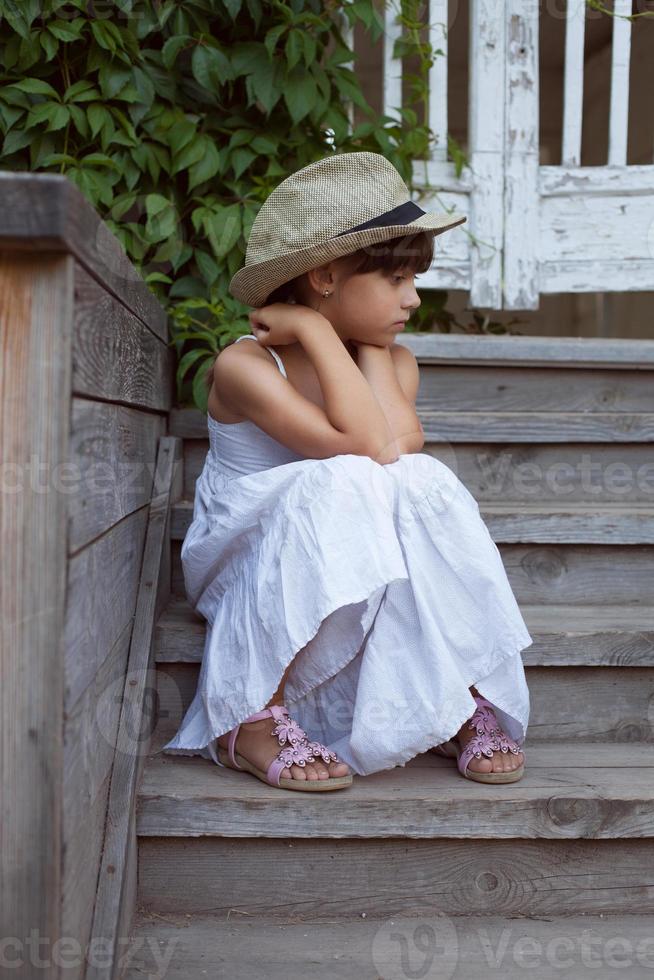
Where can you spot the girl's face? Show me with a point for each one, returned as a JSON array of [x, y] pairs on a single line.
[[369, 307]]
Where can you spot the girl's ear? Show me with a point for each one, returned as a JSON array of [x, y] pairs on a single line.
[[320, 277]]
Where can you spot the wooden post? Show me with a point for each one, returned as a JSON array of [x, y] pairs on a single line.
[[85, 390], [36, 298], [486, 129], [521, 147]]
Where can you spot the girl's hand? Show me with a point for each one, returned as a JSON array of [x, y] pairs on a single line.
[[282, 323]]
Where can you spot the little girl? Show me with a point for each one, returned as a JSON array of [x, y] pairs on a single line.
[[355, 601]]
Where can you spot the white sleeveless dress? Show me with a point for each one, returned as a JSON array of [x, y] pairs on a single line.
[[382, 581]]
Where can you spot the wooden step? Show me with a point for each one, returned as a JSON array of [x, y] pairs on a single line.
[[587, 703], [557, 473], [569, 790], [549, 352], [433, 945], [572, 523], [492, 426], [490, 388], [564, 636], [567, 574], [574, 835]]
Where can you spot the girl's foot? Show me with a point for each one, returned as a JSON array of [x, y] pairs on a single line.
[[256, 743], [500, 761]]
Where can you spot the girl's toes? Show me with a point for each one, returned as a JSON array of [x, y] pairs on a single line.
[[311, 772], [339, 769], [481, 765], [297, 772]]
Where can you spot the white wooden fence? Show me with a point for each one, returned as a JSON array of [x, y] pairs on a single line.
[[531, 229]]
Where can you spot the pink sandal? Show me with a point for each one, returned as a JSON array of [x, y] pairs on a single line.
[[489, 738], [299, 750]]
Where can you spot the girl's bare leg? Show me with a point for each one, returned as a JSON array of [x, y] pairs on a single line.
[[255, 744]]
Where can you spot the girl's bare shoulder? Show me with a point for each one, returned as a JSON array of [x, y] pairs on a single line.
[[218, 404]]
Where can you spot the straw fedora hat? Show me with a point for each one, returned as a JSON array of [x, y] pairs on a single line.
[[328, 209]]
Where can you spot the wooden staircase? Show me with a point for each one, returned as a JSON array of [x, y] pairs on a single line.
[[554, 439]]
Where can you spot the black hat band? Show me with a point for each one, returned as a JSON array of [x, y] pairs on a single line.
[[403, 214]]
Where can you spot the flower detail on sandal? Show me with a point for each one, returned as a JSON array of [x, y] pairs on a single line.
[[296, 755], [507, 744], [484, 720], [300, 749], [487, 743], [288, 730], [321, 751]]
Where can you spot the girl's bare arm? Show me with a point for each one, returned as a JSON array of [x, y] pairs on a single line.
[[352, 420], [350, 402], [383, 370]]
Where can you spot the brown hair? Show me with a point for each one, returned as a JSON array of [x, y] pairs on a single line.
[[414, 252]]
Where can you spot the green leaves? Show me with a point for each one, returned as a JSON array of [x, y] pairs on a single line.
[[210, 67], [36, 86]]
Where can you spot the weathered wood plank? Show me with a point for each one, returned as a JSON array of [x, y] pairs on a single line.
[[584, 275], [573, 82], [619, 106], [608, 523], [81, 862], [573, 352], [537, 426], [564, 636], [36, 311], [560, 798], [521, 148], [89, 749], [101, 597], [486, 141], [129, 745], [571, 574], [485, 388], [591, 704], [392, 70], [560, 473], [437, 99], [367, 948], [164, 585], [592, 241], [45, 211], [113, 452], [90, 729], [115, 356], [579, 182]]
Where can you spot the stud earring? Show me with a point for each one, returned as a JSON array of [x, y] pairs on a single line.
[[326, 293]]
